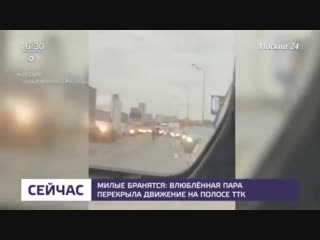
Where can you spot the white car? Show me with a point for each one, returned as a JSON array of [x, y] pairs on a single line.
[[176, 133], [164, 129]]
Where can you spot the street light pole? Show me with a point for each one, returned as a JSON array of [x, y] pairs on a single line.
[[203, 93], [187, 102], [203, 87]]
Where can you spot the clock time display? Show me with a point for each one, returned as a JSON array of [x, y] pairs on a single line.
[[37, 46]]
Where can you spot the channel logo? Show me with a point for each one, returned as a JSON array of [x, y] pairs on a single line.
[[55, 190]]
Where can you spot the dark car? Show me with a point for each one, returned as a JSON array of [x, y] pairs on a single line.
[[132, 130], [102, 132]]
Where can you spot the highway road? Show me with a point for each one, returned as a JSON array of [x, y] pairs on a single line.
[[162, 156]]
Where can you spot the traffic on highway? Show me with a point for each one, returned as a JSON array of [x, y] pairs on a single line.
[[147, 150], [151, 97]]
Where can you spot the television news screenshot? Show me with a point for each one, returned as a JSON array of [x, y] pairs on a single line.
[[159, 119]]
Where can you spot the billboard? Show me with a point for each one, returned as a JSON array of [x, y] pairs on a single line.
[[216, 104]]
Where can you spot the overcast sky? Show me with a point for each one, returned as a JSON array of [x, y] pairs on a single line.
[[155, 67]]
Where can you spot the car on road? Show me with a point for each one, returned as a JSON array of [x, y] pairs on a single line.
[[135, 129], [164, 129], [176, 133], [143, 130], [194, 136], [131, 131], [103, 132]]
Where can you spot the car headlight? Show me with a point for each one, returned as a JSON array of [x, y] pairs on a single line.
[[178, 135], [184, 136], [132, 131], [189, 139]]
